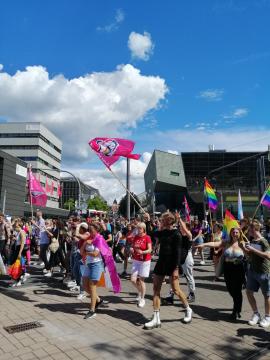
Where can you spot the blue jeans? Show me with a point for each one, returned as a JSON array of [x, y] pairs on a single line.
[[75, 264]]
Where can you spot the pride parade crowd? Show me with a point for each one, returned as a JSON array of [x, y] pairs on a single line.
[[85, 251]]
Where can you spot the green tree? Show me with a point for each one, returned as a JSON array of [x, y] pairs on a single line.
[[70, 204], [98, 204], [134, 207]]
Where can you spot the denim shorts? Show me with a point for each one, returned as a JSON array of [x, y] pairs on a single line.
[[199, 240], [93, 271], [255, 281]]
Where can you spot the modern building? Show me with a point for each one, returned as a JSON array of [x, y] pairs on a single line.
[[36, 145], [13, 174], [169, 177], [71, 188]]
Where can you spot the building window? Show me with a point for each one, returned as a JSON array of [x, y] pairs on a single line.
[[174, 173]]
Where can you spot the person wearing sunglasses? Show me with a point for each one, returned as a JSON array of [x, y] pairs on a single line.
[[234, 267]]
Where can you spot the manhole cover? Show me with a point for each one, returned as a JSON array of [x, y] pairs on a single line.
[[22, 327]]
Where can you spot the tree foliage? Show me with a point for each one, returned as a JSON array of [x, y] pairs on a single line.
[[133, 206], [98, 204], [70, 204]]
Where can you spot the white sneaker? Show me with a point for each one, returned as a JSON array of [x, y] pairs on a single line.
[[71, 283], [17, 284], [265, 322], [154, 322], [81, 296], [202, 262], [74, 289], [138, 298], [27, 275], [48, 274], [256, 317], [41, 264], [141, 303], [188, 316], [45, 271]]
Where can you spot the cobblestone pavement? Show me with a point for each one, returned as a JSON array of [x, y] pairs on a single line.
[[116, 332]]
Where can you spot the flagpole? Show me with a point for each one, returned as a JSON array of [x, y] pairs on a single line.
[[257, 208], [117, 177]]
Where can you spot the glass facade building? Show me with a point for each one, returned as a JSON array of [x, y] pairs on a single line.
[[193, 167]]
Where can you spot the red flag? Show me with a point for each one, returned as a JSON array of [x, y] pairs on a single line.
[[52, 187], [187, 210], [59, 190], [47, 186], [109, 150], [36, 193]]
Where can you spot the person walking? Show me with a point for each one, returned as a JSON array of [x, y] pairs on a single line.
[[141, 253], [258, 276], [234, 267], [168, 264]]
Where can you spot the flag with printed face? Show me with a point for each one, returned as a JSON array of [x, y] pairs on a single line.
[[109, 150], [36, 193]]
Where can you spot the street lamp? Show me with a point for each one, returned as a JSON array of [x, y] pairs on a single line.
[[76, 179]]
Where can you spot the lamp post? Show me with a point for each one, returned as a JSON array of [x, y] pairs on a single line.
[[76, 179]]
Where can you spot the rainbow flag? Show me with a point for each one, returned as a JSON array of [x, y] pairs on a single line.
[[266, 198], [211, 196], [229, 222]]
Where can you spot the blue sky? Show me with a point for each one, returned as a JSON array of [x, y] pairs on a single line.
[[213, 56]]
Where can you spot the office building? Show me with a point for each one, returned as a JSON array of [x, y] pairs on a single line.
[[13, 173], [38, 146], [71, 188], [169, 177]]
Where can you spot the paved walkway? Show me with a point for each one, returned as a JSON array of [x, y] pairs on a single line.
[[116, 332]]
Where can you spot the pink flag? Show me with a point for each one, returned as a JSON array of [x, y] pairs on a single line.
[[52, 187], [109, 150], [187, 210], [107, 255], [59, 189], [36, 192], [47, 186]]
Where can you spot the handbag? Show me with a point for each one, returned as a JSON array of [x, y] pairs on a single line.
[[15, 270], [54, 245], [220, 266]]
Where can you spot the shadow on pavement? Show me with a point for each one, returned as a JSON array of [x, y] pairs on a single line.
[[261, 336], [15, 294], [155, 347], [214, 314]]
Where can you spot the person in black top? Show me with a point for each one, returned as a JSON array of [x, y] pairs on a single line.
[[168, 263], [186, 262]]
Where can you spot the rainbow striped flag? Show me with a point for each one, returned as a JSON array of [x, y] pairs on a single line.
[[266, 198], [229, 222], [211, 196]]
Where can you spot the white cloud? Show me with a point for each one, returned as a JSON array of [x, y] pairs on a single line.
[[78, 109], [211, 94], [231, 139], [140, 45], [174, 152], [237, 113], [118, 19], [1, 67], [108, 185]]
